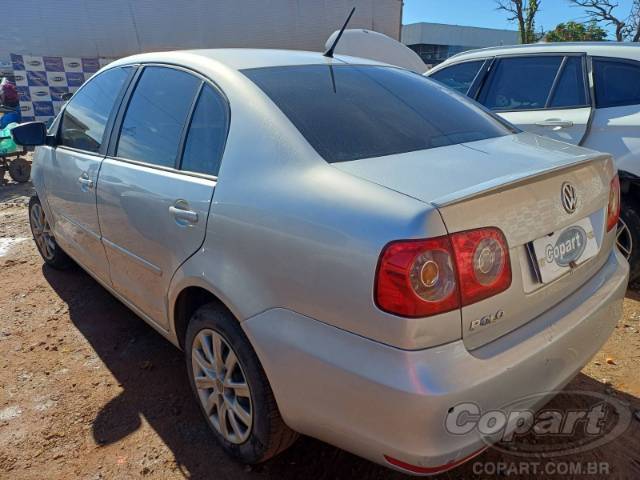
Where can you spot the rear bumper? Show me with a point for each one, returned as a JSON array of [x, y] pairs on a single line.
[[376, 400]]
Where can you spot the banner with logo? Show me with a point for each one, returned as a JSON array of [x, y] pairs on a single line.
[[42, 82]]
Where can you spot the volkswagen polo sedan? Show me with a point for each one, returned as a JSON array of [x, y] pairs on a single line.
[[342, 248]]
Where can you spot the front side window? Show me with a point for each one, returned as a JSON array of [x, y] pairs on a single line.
[[520, 83], [207, 134], [350, 112], [617, 82], [86, 115], [155, 118], [459, 77]]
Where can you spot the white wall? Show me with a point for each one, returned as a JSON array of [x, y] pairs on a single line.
[[116, 28], [441, 34]]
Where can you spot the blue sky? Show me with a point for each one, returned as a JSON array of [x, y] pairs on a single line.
[[482, 13]]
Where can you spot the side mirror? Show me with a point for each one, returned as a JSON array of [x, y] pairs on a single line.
[[30, 134]]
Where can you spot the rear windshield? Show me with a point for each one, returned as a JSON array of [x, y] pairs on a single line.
[[350, 112]]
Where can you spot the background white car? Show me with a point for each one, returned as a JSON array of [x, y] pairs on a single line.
[[582, 93]]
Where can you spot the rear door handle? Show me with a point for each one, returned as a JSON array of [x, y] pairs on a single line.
[[85, 181], [555, 122], [184, 215]]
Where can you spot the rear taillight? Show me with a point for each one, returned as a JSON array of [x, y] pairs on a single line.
[[482, 258], [418, 278], [613, 209]]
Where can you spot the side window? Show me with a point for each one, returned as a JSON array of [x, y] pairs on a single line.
[[459, 77], [617, 82], [520, 83], [207, 134], [155, 118], [570, 90], [85, 116]]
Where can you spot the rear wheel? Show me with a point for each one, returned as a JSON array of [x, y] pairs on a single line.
[[232, 389], [628, 237], [20, 170], [51, 253]]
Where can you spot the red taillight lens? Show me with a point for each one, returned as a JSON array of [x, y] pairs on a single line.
[[419, 278], [613, 209], [416, 278], [482, 259]]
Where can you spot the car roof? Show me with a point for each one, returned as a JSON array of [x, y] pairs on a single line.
[[244, 58], [605, 49]]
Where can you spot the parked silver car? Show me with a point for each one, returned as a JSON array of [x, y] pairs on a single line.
[[342, 248]]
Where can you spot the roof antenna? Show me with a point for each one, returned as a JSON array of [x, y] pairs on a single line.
[[329, 52]]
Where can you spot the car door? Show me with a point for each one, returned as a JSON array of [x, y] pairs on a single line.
[[156, 185], [616, 121], [71, 175], [543, 94]]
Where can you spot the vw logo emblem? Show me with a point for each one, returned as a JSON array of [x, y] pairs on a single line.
[[569, 197]]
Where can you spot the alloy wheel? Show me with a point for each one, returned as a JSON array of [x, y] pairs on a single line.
[[624, 240], [42, 232], [222, 386]]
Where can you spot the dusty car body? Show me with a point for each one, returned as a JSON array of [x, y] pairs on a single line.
[[355, 254]]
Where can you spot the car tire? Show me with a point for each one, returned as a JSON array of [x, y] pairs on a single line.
[[267, 434], [47, 246], [628, 237], [20, 170]]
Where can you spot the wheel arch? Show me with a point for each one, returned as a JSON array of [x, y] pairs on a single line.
[[629, 186], [187, 301]]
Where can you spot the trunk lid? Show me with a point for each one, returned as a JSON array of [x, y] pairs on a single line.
[[513, 183]]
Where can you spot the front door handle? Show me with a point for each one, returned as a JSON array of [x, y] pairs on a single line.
[[183, 214], [556, 123]]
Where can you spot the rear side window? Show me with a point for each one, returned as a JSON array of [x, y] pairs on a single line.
[[459, 77], [617, 82], [570, 90], [156, 116], [87, 113], [349, 112], [207, 134], [520, 83]]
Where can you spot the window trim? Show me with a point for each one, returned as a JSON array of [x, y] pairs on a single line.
[[564, 55], [124, 105], [628, 61], [106, 135]]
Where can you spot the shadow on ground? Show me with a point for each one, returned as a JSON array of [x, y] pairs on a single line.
[[15, 192], [152, 374]]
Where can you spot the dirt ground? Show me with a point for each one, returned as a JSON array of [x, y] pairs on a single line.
[[89, 391]]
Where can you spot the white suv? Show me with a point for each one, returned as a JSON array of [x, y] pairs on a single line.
[[582, 93]]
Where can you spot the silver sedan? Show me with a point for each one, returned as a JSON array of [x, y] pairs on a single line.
[[341, 248]]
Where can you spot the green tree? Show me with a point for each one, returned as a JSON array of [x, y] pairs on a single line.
[[577, 32], [524, 13]]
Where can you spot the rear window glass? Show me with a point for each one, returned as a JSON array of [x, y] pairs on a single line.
[[350, 112]]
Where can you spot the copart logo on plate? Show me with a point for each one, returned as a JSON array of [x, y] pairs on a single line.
[[568, 248], [573, 422]]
